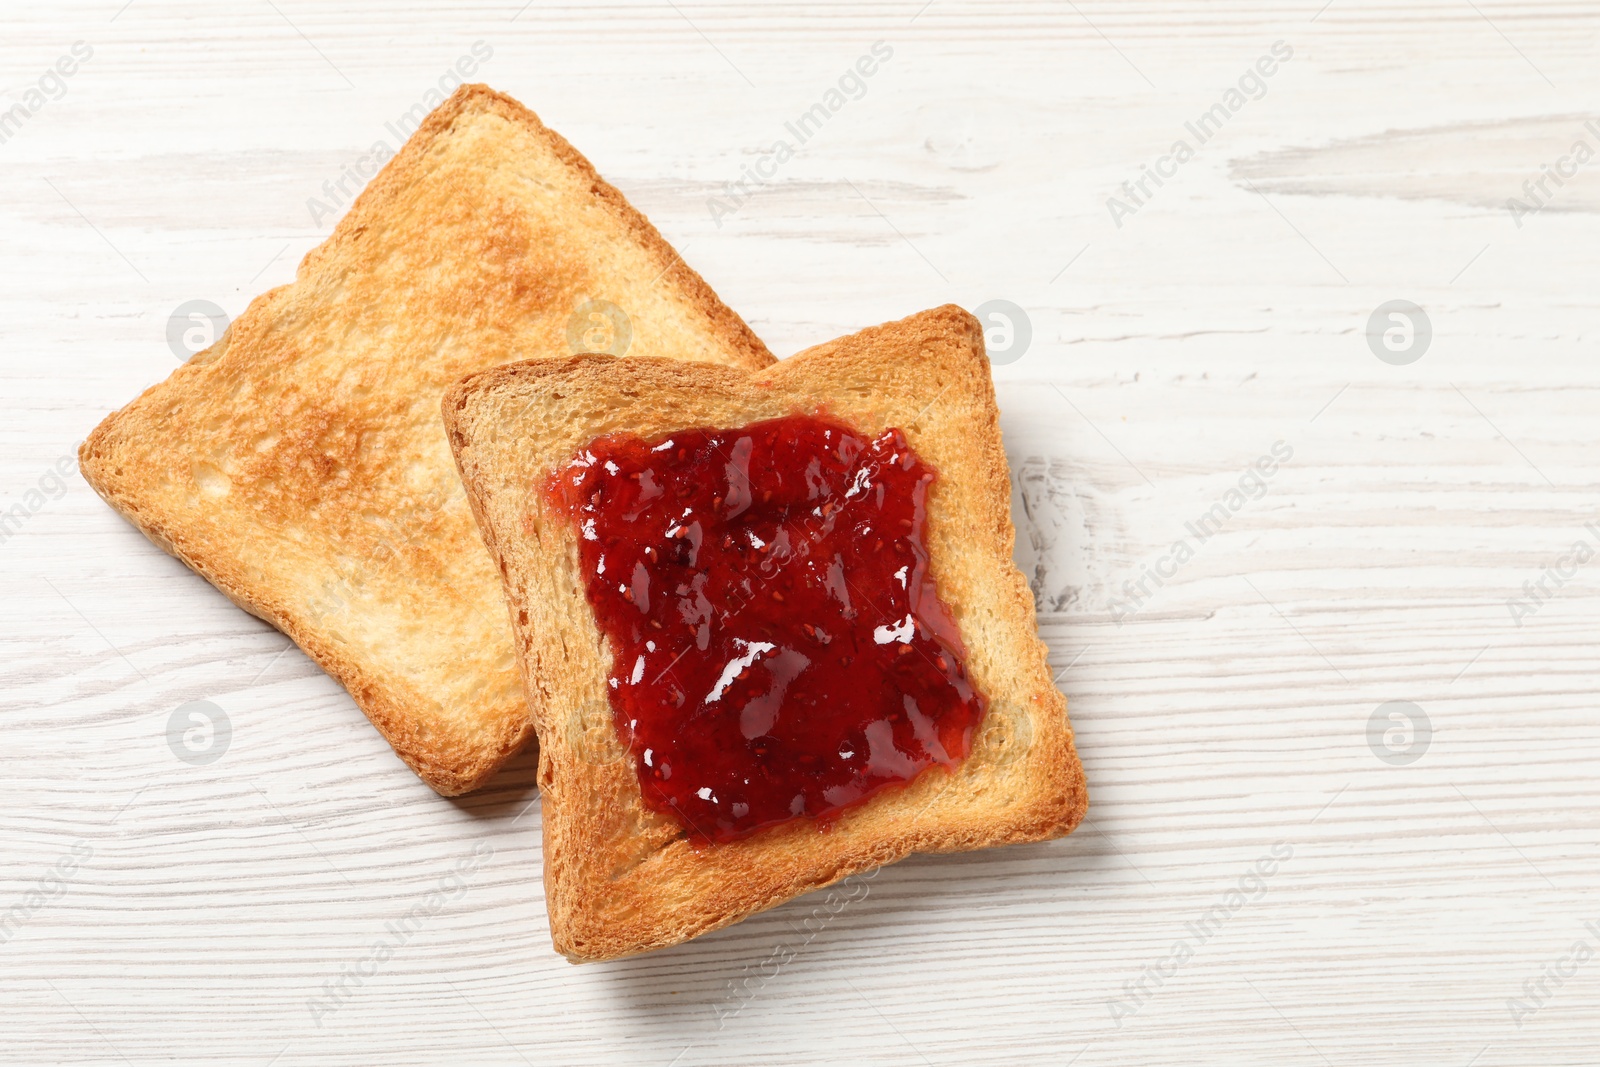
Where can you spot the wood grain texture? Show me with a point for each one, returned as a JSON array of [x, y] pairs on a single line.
[[196, 913]]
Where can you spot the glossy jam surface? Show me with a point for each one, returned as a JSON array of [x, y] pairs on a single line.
[[780, 649]]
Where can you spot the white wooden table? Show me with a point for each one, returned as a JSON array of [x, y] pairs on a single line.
[[1426, 892]]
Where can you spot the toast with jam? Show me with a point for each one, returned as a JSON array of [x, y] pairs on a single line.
[[768, 623], [300, 466]]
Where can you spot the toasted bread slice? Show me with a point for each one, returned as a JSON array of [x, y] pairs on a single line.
[[300, 466], [621, 878]]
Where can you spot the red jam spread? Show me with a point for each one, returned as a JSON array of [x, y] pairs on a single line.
[[780, 649]]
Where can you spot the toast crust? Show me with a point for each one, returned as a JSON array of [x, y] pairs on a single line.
[[299, 464], [621, 879]]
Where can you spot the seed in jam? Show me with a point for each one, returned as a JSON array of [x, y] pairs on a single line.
[[779, 647]]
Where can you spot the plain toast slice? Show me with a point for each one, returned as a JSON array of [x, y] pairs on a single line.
[[619, 877], [300, 466]]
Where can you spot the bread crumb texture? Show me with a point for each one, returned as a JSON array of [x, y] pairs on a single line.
[[300, 464]]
